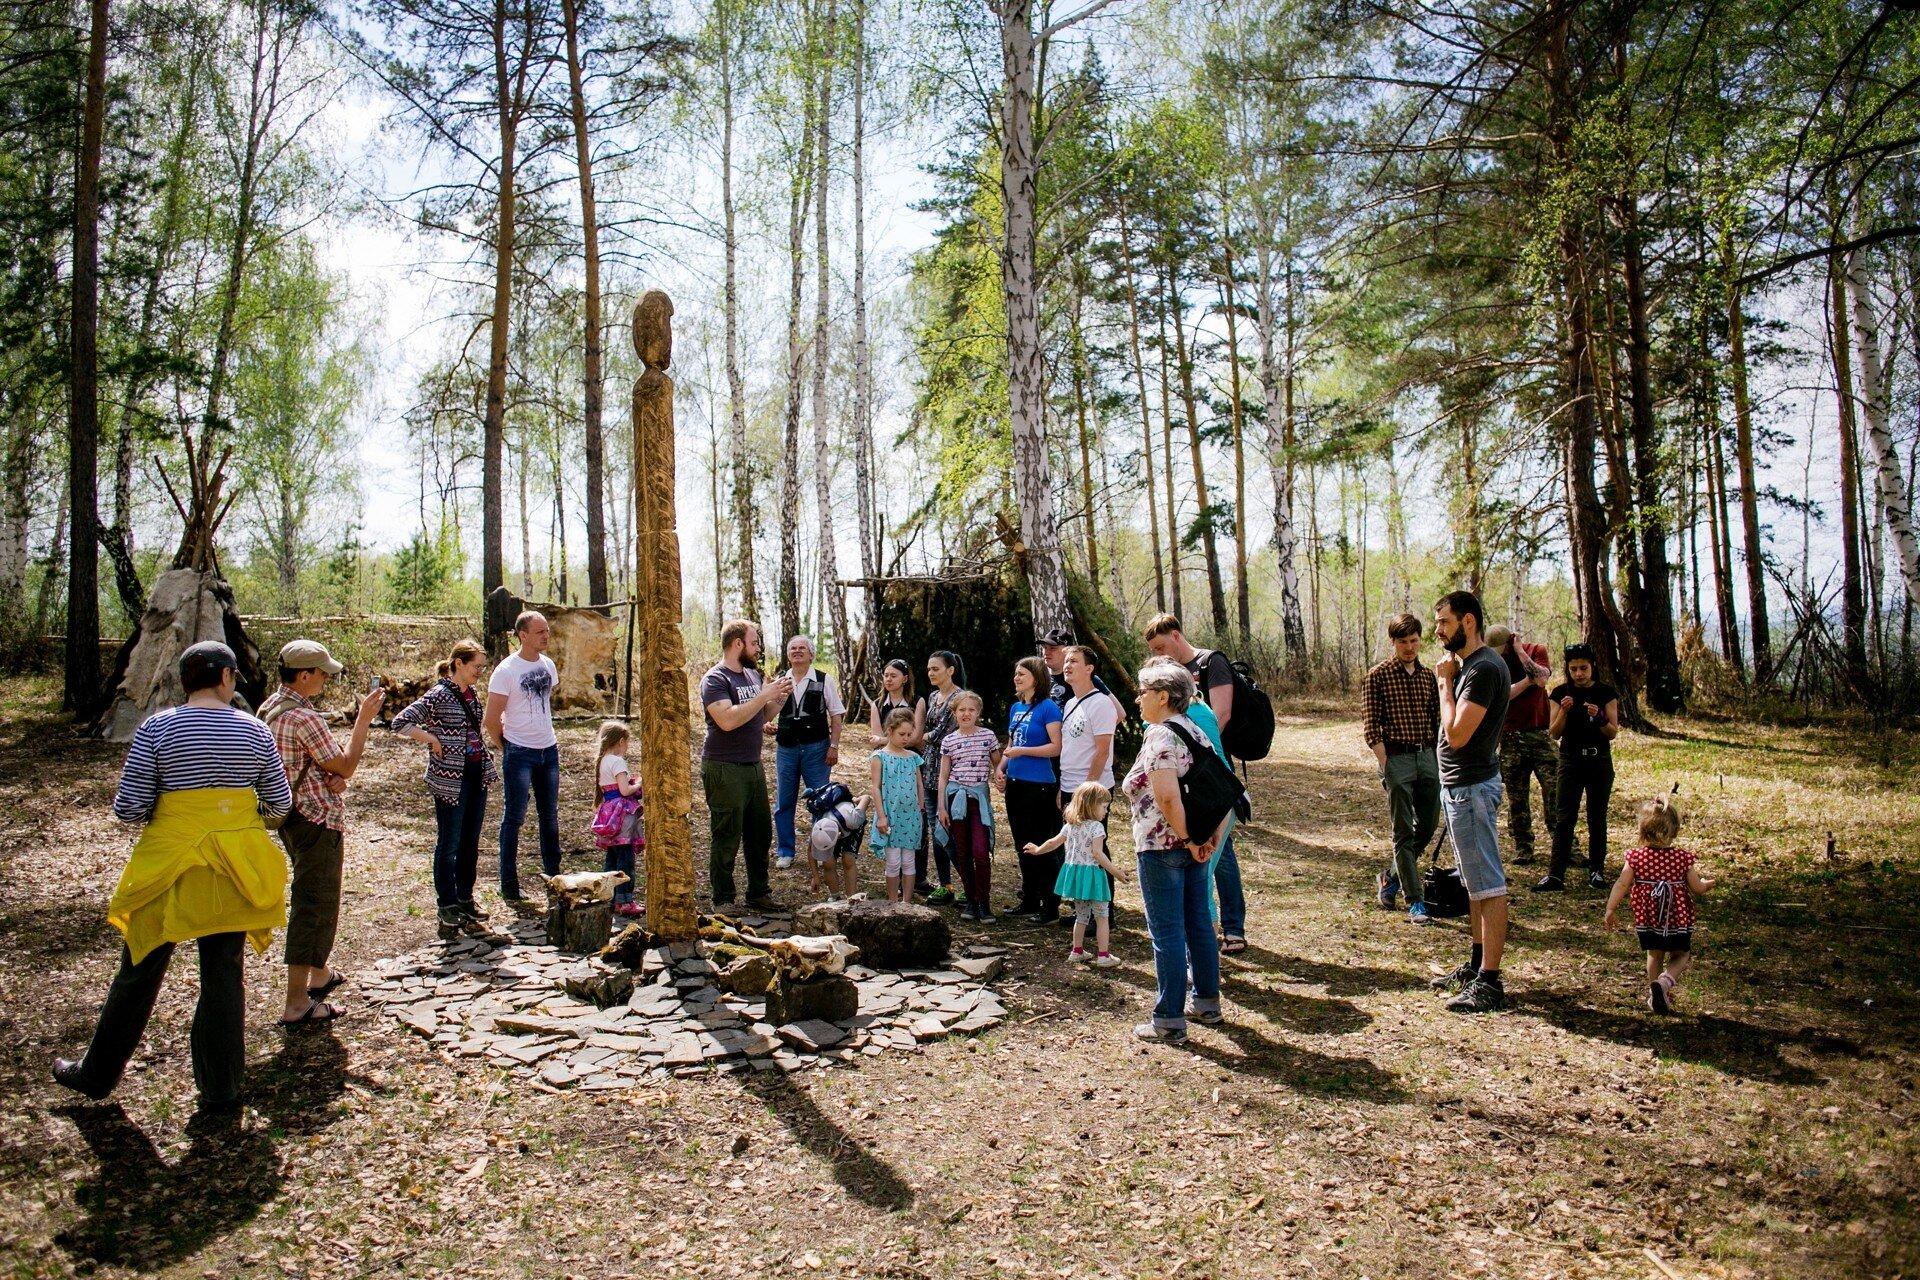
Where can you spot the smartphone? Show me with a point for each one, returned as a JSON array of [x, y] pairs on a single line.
[[373, 686]]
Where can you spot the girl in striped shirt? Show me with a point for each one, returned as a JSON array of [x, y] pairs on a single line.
[[968, 757]]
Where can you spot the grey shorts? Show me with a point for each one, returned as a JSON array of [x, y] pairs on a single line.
[[1473, 816]]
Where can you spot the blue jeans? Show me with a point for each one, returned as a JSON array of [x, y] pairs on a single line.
[[526, 769], [1473, 819], [456, 845], [1173, 888], [792, 765], [620, 858], [1231, 909]]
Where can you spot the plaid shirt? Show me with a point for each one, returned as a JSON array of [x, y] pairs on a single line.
[[302, 735], [1400, 706]]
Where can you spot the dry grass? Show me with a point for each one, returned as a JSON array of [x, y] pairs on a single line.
[[1338, 1125]]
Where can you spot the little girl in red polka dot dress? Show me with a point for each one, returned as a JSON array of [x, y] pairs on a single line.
[[1662, 880]]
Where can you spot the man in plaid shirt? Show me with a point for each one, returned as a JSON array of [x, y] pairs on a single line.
[[315, 830], [1400, 715]]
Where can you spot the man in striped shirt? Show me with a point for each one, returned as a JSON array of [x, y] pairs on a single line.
[[204, 745]]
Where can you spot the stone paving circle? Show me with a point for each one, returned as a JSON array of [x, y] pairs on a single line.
[[509, 1007]]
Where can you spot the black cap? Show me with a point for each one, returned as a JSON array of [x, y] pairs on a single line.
[[1578, 651], [201, 665], [1056, 636]]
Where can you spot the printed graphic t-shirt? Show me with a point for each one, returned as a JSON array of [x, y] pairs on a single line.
[[528, 687]]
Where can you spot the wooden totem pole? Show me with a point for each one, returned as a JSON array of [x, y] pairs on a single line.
[[660, 678]]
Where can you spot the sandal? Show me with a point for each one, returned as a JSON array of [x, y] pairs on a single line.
[[313, 1014], [1233, 946], [328, 987]]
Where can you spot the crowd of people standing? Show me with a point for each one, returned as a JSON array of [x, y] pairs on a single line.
[[209, 779]]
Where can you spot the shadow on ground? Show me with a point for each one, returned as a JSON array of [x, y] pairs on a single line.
[[1744, 1049], [866, 1177]]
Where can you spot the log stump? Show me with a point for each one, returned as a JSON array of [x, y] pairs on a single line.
[[580, 928]]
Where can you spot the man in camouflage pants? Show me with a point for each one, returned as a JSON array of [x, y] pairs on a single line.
[[1526, 750]]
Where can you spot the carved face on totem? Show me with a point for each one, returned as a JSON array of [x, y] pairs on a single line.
[[653, 329]]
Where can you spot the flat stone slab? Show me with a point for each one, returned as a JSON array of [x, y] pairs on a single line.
[[507, 1006]]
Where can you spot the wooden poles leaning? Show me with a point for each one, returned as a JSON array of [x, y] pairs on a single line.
[[666, 723]]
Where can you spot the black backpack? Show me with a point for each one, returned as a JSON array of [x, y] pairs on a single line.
[[1249, 731], [1209, 790]]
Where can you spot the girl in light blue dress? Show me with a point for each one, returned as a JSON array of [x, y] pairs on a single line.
[[899, 800], [1080, 880]]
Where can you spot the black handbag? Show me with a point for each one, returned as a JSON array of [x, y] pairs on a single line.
[[1444, 892], [1209, 791]]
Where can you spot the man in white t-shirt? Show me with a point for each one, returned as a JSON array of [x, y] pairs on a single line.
[[519, 721], [1087, 725], [806, 736]]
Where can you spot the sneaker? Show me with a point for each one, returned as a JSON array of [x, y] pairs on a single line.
[[1455, 981], [473, 928], [1658, 998], [1417, 914], [985, 916], [1549, 884], [452, 924], [628, 909], [1386, 888], [473, 909], [1105, 960], [1065, 922], [1039, 917], [784, 862], [959, 897], [1209, 1018], [1079, 956], [1479, 996], [1159, 1035], [941, 895], [1596, 880]]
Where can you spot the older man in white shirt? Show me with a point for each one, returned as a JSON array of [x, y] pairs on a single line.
[[806, 737]]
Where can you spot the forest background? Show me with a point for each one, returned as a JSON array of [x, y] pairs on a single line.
[[1285, 316]]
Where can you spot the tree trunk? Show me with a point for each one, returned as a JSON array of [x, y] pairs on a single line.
[[1203, 506], [862, 351], [836, 595], [1893, 502], [797, 208], [1146, 415], [1762, 640], [590, 240], [1242, 589], [1166, 444], [1665, 689], [1276, 392], [494, 426], [1046, 569], [1853, 601], [1080, 380], [81, 693], [743, 515]]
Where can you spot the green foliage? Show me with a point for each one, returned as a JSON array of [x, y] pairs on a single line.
[[424, 576]]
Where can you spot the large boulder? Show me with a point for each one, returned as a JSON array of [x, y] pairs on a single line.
[[832, 997], [897, 935]]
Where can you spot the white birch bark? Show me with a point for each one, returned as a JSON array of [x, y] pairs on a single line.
[[1872, 395]]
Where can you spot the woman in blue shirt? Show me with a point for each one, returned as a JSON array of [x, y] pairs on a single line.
[[1032, 791]]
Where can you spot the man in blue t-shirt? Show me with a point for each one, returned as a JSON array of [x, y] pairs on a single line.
[[1474, 687]]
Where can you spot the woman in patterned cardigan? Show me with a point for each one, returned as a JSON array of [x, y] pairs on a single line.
[[446, 720]]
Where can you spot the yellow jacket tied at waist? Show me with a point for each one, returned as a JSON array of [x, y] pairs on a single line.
[[204, 865]]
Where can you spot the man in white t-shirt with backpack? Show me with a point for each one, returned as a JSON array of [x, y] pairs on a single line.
[[1213, 681], [519, 720]]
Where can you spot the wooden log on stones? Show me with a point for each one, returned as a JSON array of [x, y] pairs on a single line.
[[897, 935], [827, 997], [580, 928], [660, 680]]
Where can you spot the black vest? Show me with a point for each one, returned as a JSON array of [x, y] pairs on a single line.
[[810, 725]]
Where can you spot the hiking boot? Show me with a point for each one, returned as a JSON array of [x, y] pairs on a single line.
[[1596, 880], [1386, 888], [1159, 1035], [764, 904], [1549, 884], [452, 924], [474, 928], [1455, 981], [1479, 996]]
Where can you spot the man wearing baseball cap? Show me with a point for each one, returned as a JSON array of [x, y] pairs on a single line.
[[1526, 752], [315, 831]]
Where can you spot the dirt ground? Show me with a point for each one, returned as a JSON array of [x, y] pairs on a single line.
[[1338, 1124]]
